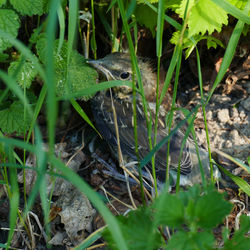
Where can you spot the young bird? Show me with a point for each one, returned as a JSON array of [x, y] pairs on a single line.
[[117, 66]]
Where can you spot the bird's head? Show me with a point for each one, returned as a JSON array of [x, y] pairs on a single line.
[[117, 66]]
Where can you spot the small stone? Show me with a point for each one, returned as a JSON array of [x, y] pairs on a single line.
[[223, 115], [234, 134], [234, 113], [242, 114], [246, 104], [237, 120], [222, 99], [209, 115], [228, 144]]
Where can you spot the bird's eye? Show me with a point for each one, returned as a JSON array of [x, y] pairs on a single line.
[[124, 75]]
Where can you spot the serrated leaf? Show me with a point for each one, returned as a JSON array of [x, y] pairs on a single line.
[[29, 7], [10, 23], [142, 14], [211, 44], [169, 210], [213, 41], [81, 75], [186, 41], [211, 209], [189, 44], [190, 241], [41, 46], [78, 73], [13, 119], [205, 16], [138, 230], [26, 72]]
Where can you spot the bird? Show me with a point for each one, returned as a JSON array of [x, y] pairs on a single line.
[[117, 66]]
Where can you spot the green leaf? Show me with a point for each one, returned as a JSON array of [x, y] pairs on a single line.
[[213, 42], [189, 44], [3, 57], [72, 79], [29, 7], [190, 241], [211, 209], [169, 210], [240, 4], [193, 193], [14, 119], [138, 231], [2, 2], [142, 14], [205, 16], [172, 4], [41, 44], [239, 241], [169, 4], [80, 75], [25, 74], [10, 23]]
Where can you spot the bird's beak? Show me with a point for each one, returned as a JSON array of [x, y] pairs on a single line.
[[98, 65]]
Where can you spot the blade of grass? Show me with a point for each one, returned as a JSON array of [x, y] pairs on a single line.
[[61, 20], [14, 195], [186, 112], [94, 89], [73, 19], [236, 179], [232, 159], [173, 62], [159, 34], [80, 111], [37, 109], [114, 23], [204, 112], [17, 143], [90, 239], [50, 74], [73, 12], [41, 161], [234, 11], [93, 43]]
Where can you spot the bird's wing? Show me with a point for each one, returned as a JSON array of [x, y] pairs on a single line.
[[103, 113], [174, 152]]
